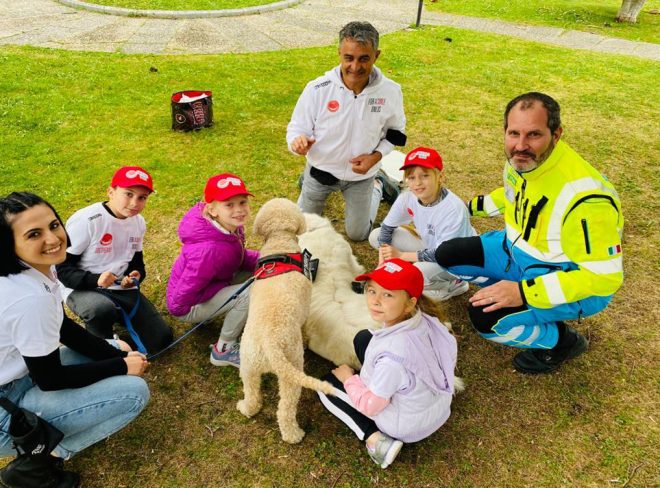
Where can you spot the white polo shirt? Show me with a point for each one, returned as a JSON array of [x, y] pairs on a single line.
[[104, 242], [30, 320]]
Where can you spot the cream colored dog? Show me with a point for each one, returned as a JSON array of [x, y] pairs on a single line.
[[337, 313], [279, 305]]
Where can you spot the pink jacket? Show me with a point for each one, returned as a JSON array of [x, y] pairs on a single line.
[[208, 261]]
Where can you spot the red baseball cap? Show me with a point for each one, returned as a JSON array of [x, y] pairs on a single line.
[[423, 156], [397, 274], [223, 187], [128, 176]]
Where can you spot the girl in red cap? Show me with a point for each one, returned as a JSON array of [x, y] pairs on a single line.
[[213, 263], [404, 390], [438, 215]]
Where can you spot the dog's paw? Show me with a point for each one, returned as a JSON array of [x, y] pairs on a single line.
[[293, 435], [246, 409]]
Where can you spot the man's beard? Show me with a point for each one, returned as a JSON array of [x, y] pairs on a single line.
[[538, 160]]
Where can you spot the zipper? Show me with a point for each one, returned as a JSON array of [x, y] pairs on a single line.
[[515, 214], [589, 197], [524, 214], [585, 231]]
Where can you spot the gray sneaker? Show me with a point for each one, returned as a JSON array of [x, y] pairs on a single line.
[[455, 288], [385, 451], [390, 186], [230, 357]]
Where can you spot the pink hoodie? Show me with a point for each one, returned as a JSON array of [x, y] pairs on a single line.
[[208, 261]]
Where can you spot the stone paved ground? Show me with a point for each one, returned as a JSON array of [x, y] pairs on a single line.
[[48, 23]]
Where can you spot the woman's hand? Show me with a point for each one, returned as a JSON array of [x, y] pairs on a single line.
[[136, 363], [343, 372]]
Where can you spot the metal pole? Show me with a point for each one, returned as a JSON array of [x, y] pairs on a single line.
[[419, 12]]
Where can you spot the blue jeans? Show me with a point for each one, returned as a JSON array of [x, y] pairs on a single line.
[[85, 415]]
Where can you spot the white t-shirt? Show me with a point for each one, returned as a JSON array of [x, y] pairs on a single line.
[[445, 220], [30, 320], [104, 242]]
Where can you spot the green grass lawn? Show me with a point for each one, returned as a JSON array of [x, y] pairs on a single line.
[[595, 16], [70, 119], [182, 4]]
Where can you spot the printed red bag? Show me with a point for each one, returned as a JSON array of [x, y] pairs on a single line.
[[192, 110]]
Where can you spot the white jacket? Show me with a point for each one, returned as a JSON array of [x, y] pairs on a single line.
[[346, 125]]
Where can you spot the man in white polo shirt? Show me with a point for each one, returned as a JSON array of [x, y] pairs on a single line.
[[344, 123]]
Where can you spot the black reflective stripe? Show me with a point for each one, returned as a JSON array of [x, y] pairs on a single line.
[[534, 215], [396, 137], [585, 230], [588, 197], [480, 203]]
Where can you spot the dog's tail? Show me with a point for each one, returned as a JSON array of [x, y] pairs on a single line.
[[284, 369]]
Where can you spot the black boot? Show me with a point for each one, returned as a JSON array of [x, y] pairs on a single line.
[[536, 361], [41, 471]]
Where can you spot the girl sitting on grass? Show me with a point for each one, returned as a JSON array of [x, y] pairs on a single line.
[[213, 263], [438, 215], [403, 392]]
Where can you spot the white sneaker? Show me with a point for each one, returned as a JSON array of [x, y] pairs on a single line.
[[385, 450], [455, 288]]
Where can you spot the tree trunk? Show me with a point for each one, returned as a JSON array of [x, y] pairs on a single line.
[[629, 10]]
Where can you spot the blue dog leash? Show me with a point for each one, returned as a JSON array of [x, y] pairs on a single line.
[[128, 316], [247, 283]]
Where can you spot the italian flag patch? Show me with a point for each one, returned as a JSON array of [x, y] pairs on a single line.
[[612, 250]]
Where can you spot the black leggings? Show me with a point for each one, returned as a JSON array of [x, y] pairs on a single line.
[[339, 405]]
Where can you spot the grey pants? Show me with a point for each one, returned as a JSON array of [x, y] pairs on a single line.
[[361, 198], [100, 314], [435, 276], [235, 311]]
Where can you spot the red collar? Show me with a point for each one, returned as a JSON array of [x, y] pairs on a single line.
[[270, 266]]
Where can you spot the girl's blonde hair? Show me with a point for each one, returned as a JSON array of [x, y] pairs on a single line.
[[430, 307], [438, 174]]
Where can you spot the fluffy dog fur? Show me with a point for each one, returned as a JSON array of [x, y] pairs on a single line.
[[337, 313], [272, 340]]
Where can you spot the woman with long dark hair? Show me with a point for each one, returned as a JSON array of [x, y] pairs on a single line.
[[88, 388]]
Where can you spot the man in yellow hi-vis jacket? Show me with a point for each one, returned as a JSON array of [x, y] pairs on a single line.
[[559, 257]]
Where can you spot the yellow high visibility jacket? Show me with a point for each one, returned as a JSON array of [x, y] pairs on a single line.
[[562, 211]]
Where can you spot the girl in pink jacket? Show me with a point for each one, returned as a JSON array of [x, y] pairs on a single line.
[[213, 263]]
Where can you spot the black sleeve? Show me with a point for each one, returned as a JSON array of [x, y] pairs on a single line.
[[72, 276], [81, 341], [49, 374], [137, 264]]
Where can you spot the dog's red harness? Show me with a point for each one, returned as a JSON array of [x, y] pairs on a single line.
[[278, 264]]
